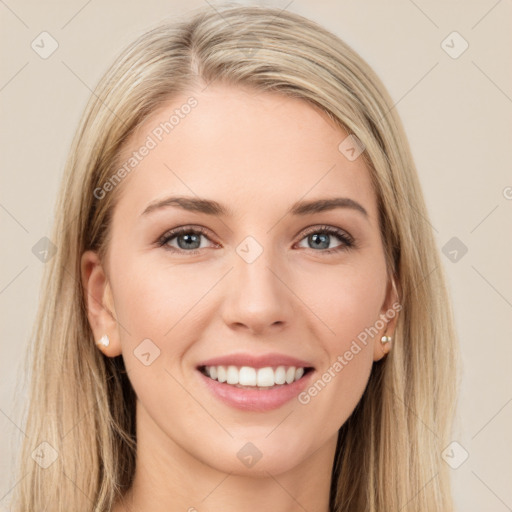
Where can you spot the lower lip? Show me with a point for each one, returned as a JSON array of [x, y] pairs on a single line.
[[258, 400]]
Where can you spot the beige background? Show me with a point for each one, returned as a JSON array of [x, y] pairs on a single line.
[[457, 113]]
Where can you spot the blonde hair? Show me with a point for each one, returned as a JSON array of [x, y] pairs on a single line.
[[388, 456]]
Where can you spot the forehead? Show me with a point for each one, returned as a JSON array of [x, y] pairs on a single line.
[[243, 148]]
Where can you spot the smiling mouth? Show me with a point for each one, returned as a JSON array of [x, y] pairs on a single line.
[[246, 377]]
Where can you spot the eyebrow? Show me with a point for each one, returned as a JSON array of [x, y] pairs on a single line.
[[211, 207]]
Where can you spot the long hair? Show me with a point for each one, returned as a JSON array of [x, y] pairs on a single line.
[[81, 404]]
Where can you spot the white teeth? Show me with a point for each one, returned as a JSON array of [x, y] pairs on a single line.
[[232, 375], [247, 376], [265, 377], [221, 374], [261, 377], [280, 375]]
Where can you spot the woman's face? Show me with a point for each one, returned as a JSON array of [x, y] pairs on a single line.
[[274, 279]]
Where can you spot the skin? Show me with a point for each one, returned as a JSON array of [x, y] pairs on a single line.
[[256, 153]]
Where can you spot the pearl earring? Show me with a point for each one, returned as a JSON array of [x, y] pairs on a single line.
[[103, 341], [386, 339]]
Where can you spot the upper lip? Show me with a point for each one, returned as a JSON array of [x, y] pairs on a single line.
[[256, 361]]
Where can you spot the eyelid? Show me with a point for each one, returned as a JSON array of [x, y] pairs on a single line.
[[347, 241], [174, 232], [327, 228]]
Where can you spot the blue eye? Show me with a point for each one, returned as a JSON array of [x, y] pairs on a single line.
[[188, 239], [320, 238]]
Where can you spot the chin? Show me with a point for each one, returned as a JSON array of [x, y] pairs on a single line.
[[261, 469], [256, 459]]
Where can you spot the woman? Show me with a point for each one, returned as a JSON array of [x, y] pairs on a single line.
[[247, 309]]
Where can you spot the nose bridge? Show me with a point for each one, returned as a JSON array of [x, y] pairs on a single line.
[[254, 269], [256, 296]]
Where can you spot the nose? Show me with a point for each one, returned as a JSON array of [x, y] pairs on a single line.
[[258, 299]]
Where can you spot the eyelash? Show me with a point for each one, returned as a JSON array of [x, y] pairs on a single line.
[[347, 241]]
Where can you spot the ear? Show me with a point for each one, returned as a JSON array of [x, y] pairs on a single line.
[[388, 319], [99, 303]]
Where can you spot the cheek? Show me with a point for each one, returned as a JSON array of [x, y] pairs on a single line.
[[151, 300], [156, 303], [348, 300]]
